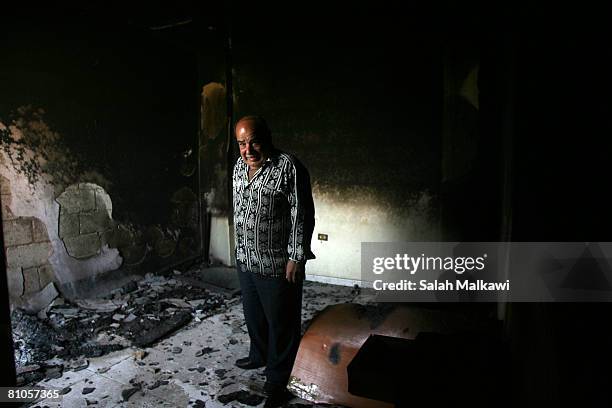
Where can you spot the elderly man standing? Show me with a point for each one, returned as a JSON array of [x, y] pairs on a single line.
[[273, 221]]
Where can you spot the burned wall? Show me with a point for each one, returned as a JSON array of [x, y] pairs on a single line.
[[214, 77], [99, 127], [364, 121]]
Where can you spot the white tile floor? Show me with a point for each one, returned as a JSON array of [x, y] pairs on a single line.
[[189, 378]]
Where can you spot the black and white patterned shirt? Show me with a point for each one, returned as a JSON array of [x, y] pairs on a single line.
[[273, 214]]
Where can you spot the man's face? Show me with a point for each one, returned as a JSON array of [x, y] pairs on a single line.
[[253, 149]]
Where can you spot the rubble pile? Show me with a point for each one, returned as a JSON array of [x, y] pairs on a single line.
[[137, 314]]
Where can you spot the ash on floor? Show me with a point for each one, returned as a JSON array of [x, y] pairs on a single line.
[[138, 314], [192, 365]]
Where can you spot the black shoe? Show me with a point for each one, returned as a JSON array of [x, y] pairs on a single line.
[[278, 398], [272, 387], [246, 364]]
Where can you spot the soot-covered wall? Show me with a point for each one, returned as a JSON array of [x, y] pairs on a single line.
[[370, 103], [99, 127]]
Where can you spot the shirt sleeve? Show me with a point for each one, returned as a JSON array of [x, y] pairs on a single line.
[[235, 180], [301, 213]]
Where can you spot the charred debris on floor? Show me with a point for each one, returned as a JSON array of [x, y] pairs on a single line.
[[65, 333]]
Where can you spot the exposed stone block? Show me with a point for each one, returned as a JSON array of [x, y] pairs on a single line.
[[46, 274], [85, 217], [95, 221], [83, 246], [26, 256], [15, 282], [31, 282], [7, 213], [74, 200], [68, 225], [39, 231], [5, 185], [18, 231], [103, 201]]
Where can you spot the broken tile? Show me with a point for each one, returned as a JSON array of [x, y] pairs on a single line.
[[149, 314], [129, 318], [78, 365], [27, 369], [99, 305], [54, 372], [41, 299], [205, 350], [243, 397], [167, 326], [127, 393], [180, 303]]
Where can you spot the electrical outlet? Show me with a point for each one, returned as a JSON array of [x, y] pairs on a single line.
[[322, 237]]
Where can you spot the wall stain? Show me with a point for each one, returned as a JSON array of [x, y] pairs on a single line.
[[213, 148], [38, 153]]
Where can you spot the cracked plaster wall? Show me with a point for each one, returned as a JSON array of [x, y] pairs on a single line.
[[71, 237], [35, 253], [112, 107], [81, 240]]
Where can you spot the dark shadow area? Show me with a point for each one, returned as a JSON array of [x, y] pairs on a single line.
[[460, 121], [562, 145], [432, 369]]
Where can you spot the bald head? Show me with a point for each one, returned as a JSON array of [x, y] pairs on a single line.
[[253, 137], [256, 125]]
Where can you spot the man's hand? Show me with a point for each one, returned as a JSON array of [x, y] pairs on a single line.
[[295, 271]]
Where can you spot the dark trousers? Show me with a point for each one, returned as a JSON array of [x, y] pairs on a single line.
[[272, 310]]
